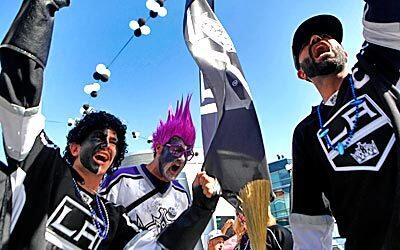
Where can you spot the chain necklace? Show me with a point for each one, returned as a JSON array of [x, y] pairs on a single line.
[[101, 230], [341, 146]]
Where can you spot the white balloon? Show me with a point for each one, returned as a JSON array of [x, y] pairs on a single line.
[[88, 88], [90, 110], [100, 68], [162, 12], [71, 121], [152, 5], [95, 87], [145, 30], [106, 73], [137, 135], [134, 25], [82, 110]]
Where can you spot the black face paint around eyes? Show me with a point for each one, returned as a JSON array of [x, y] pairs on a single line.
[[165, 158], [95, 141]]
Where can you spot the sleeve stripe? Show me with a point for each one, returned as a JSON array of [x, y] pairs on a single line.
[[126, 171], [382, 34], [106, 188]]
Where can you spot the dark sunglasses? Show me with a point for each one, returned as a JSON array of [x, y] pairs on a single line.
[[178, 150]]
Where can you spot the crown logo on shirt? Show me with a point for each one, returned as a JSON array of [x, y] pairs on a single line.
[[365, 151]]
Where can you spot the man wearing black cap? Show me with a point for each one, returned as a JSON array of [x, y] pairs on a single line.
[[345, 153]]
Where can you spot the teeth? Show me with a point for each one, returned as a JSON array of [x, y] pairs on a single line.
[[101, 157]]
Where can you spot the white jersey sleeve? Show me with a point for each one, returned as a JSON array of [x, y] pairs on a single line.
[[20, 128], [381, 23]]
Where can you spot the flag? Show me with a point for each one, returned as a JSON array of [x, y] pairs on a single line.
[[232, 141]]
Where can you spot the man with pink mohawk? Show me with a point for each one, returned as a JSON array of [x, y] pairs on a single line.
[[174, 140], [149, 192]]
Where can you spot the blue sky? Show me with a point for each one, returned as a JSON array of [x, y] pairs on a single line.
[[155, 71]]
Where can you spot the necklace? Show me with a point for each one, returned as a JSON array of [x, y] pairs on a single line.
[[341, 146], [102, 229]]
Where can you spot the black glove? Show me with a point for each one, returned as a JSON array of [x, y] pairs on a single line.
[[31, 31], [24, 52]]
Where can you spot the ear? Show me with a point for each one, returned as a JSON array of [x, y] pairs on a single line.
[[159, 149], [301, 74], [74, 149]]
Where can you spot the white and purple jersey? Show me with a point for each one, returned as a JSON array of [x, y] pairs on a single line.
[[128, 184]]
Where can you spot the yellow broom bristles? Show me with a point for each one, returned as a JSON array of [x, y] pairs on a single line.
[[255, 198]]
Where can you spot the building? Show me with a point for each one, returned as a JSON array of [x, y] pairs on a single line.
[[281, 185]]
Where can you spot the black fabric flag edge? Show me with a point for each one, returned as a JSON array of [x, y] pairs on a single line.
[[232, 141]]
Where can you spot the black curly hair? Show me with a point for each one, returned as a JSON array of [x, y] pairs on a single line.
[[97, 121]]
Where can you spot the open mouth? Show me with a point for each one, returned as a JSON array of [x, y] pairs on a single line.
[[321, 50], [173, 171], [174, 168], [101, 158]]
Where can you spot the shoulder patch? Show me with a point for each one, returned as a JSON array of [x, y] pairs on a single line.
[[115, 177]]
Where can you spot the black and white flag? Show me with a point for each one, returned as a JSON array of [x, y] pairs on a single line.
[[232, 141]]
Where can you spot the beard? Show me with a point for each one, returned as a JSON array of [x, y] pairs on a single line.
[[327, 66]]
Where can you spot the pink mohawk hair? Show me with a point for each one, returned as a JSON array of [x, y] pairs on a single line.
[[179, 124]]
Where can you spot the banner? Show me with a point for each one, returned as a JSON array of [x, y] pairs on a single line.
[[232, 141]]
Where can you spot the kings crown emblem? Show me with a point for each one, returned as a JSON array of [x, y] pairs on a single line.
[[365, 151]]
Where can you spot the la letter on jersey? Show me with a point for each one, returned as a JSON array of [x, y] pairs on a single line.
[[373, 137]]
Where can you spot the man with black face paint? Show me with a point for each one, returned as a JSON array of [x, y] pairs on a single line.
[[346, 152], [49, 201], [92, 146], [149, 192]]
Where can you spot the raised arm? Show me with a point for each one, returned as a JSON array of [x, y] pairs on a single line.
[[23, 54], [382, 23]]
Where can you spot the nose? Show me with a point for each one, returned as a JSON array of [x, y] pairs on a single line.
[[109, 145], [182, 157]]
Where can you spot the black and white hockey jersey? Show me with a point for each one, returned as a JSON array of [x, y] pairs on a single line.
[[358, 187], [53, 215], [128, 184]]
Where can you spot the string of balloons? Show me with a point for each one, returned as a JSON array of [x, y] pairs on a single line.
[[136, 135], [102, 72]]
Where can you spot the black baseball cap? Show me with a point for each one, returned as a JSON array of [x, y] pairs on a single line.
[[321, 24]]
